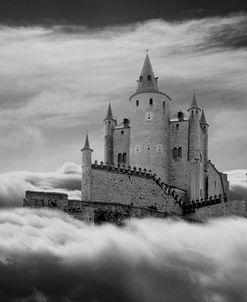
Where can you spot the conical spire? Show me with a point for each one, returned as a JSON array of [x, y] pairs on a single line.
[[109, 115], [194, 102], [203, 118], [86, 145], [147, 81]]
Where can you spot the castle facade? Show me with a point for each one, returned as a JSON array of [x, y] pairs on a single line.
[[175, 149], [154, 165]]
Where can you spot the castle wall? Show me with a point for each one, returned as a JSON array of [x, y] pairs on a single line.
[[46, 199], [121, 143], [215, 183], [223, 209], [127, 189], [179, 173]]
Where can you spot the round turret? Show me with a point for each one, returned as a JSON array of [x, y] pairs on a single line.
[[150, 113]]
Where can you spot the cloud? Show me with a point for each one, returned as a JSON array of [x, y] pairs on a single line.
[[66, 179], [48, 256], [238, 184], [56, 83]]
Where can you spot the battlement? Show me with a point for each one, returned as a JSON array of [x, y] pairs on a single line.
[[196, 204], [45, 199]]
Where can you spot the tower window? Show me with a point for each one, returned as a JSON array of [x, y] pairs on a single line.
[[137, 103], [141, 78], [119, 158], [109, 122], [177, 126], [124, 158], [150, 101], [179, 152], [200, 157], [122, 132], [148, 148], [149, 78], [175, 152]]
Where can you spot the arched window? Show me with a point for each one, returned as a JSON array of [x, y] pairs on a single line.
[[119, 158], [149, 78], [137, 103], [175, 152], [150, 101], [124, 158], [179, 152]]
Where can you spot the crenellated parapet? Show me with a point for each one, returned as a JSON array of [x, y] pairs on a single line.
[[196, 204]]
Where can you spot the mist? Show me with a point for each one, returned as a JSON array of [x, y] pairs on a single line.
[[49, 256]]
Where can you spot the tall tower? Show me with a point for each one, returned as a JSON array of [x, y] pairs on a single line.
[[204, 126], [194, 150], [150, 114], [110, 123], [86, 171]]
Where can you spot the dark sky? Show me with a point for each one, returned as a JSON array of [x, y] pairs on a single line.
[[96, 13]]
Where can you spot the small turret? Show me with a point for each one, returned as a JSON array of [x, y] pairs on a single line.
[[86, 171], [110, 123], [194, 149], [204, 126], [194, 129]]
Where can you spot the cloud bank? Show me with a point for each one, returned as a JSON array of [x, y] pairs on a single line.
[[48, 256], [56, 83], [67, 179]]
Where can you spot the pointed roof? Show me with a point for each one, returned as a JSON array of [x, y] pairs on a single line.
[[147, 81], [194, 103], [109, 115], [203, 118], [86, 145]]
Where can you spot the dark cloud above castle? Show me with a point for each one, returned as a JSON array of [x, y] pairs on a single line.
[[97, 13]]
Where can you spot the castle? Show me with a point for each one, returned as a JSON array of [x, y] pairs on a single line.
[[154, 165]]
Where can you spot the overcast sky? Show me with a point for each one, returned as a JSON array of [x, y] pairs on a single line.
[[62, 63]]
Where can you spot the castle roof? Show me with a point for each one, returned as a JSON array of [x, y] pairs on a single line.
[[109, 115], [194, 103], [86, 145], [147, 81], [203, 118]]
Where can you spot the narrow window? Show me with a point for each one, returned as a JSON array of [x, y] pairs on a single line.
[[200, 157], [141, 78], [175, 152], [148, 148], [119, 158], [177, 126], [137, 103], [179, 152], [149, 78], [150, 101], [164, 104], [109, 122], [122, 132], [149, 116], [124, 158]]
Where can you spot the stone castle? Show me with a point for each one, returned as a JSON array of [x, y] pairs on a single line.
[[154, 165]]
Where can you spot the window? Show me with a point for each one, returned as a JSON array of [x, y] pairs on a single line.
[[109, 122], [177, 126], [148, 148], [201, 193], [175, 152], [179, 152], [137, 103], [124, 158], [122, 132], [149, 78], [150, 101], [149, 116], [141, 78], [200, 157], [119, 158]]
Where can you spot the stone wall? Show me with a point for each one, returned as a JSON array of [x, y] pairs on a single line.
[[222, 209], [129, 189], [46, 199]]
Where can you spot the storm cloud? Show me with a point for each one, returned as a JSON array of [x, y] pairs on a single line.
[[49, 256], [56, 82]]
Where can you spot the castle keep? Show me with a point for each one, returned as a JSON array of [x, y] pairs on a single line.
[[154, 165]]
